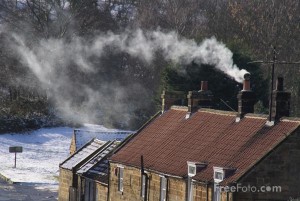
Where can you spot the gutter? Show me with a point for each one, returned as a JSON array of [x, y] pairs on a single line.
[[149, 170]]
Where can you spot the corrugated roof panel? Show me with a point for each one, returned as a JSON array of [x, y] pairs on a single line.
[[83, 136], [98, 165], [212, 136], [82, 154]]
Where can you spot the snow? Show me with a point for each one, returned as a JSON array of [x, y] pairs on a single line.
[[43, 151], [82, 136]]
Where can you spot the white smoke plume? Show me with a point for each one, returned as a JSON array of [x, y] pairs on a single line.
[[183, 51], [48, 59]]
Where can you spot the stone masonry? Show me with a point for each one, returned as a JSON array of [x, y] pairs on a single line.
[[65, 181], [176, 188], [279, 169]]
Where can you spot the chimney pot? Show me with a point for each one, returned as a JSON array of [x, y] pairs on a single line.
[[204, 85], [200, 99], [246, 84], [246, 98]]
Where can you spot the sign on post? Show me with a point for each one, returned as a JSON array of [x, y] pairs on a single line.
[[16, 149]]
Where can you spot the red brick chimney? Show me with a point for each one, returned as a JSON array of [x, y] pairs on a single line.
[[200, 99], [246, 98], [170, 98], [281, 101]]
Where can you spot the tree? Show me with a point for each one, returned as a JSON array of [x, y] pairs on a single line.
[[224, 88]]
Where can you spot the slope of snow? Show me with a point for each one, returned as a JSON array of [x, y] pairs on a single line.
[[43, 151]]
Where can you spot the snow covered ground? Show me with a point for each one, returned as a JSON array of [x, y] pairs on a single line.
[[43, 150]]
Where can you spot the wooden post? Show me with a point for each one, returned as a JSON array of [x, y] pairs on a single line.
[[15, 159], [15, 149]]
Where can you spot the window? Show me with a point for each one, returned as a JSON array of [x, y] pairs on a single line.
[[218, 174], [191, 169], [143, 186], [120, 178], [163, 188], [195, 167]]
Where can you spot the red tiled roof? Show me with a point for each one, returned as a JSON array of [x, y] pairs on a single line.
[[210, 136]]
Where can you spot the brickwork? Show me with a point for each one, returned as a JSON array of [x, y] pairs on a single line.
[[65, 181], [280, 168]]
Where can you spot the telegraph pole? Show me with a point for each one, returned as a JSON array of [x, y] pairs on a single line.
[[273, 62]]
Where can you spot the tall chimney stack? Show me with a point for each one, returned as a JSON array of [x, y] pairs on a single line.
[[281, 101], [200, 99], [170, 98], [246, 98]]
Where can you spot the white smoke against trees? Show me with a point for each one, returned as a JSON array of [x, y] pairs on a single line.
[[48, 59]]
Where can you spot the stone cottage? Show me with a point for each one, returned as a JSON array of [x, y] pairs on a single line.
[[194, 153], [69, 181]]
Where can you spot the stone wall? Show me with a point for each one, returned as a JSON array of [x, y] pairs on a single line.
[[279, 168], [73, 144], [65, 181], [102, 191], [176, 188]]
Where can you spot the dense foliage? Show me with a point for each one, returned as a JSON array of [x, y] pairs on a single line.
[[249, 28]]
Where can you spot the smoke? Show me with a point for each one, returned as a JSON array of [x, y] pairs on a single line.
[[180, 50], [53, 60]]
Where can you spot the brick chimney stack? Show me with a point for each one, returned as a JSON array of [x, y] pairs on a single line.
[[281, 101], [246, 98], [200, 99], [170, 98]]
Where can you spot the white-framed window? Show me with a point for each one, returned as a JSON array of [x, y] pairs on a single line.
[[192, 169], [143, 186], [120, 178], [219, 174], [163, 189]]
